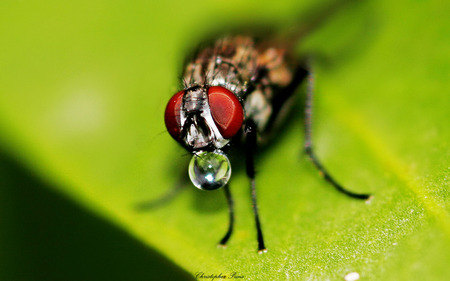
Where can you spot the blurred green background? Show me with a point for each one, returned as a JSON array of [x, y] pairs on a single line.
[[83, 86]]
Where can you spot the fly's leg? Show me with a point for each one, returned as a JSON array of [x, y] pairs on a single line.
[[164, 199], [230, 202], [250, 147], [308, 143]]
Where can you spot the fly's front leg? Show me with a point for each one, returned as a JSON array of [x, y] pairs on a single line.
[[164, 199], [309, 144], [227, 236], [250, 147]]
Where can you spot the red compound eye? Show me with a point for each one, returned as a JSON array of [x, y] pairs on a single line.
[[226, 111], [172, 115]]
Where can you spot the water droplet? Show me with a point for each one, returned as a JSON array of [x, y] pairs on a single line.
[[209, 170]]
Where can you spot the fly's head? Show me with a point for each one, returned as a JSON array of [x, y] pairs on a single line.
[[204, 119]]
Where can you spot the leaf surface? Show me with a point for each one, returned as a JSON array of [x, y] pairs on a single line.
[[83, 90]]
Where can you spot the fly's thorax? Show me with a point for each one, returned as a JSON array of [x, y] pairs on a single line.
[[230, 62], [258, 107], [270, 93]]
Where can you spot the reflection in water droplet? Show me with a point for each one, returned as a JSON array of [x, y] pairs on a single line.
[[209, 170]]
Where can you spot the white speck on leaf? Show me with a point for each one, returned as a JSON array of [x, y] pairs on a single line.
[[352, 276]]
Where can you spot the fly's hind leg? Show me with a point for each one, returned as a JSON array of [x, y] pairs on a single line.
[[309, 144]]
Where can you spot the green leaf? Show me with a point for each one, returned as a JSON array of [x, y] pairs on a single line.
[[84, 86]]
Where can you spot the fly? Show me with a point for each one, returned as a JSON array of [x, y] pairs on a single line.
[[235, 90]]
